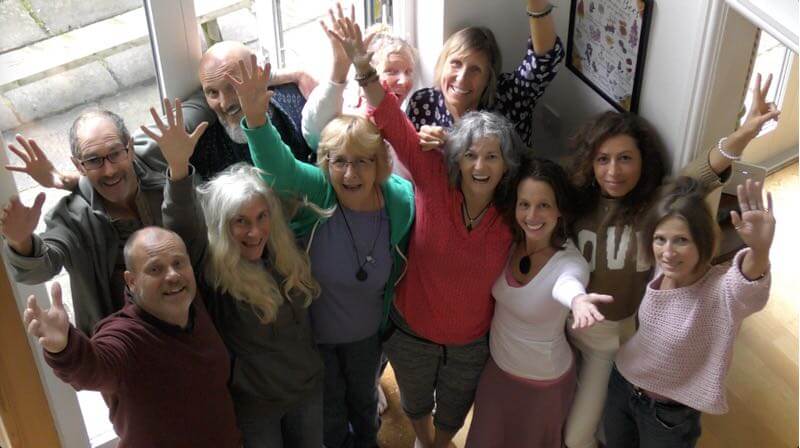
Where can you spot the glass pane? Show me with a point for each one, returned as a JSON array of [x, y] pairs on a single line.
[[770, 57], [58, 58]]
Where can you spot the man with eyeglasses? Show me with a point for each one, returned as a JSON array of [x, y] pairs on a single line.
[[86, 231]]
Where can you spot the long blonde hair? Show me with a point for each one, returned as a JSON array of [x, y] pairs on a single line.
[[226, 270]]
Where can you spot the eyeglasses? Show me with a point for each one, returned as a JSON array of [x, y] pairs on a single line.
[[340, 163], [95, 163]]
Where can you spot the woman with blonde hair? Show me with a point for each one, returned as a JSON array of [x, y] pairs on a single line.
[[357, 252], [468, 77], [257, 286]]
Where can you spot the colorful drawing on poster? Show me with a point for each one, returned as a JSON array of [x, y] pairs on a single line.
[[607, 42]]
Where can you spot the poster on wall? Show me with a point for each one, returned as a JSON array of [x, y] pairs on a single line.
[[606, 48]]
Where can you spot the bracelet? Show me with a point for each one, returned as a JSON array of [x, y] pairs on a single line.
[[540, 14], [726, 154], [366, 75], [362, 82]]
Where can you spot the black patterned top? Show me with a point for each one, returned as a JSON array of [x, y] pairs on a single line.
[[516, 95]]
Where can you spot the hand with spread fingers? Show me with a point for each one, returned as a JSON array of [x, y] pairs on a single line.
[[36, 164], [18, 223], [756, 224], [348, 34], [584, 309], [341, 62], [175, 143], [50, 327], [251, 88]]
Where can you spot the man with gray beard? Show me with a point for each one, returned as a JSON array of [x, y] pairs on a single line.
[[224, 143]]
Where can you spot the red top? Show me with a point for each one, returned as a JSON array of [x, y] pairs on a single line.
[[164, 386], [445, 295]]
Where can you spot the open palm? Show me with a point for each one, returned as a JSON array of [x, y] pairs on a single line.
[[50, 327], [756, 224], [175, 143]]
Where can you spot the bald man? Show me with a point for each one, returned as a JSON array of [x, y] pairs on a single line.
[[159, 362], [224, 143]]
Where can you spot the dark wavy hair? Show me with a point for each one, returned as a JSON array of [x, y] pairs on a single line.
[[552, 174], [684, 198], [593, 134]]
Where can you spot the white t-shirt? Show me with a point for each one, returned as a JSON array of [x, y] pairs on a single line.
[[527, 336]]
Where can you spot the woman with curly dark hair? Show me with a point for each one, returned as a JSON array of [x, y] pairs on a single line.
[[619, 165]]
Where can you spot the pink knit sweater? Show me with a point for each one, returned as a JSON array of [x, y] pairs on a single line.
[[684, 344], [445, 295]]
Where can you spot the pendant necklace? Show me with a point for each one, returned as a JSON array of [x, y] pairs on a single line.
[[470, 221], [525, 261], [361, 273]]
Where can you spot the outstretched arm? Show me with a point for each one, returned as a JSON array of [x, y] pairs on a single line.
[[326, 102], [180, 209], [283, 172], [734, 144], [82, 363]]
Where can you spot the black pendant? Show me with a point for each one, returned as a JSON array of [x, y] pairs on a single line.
[[361, 275], [525, 264]]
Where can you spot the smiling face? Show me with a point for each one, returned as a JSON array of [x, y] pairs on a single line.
[[617, 165], [353, 175], [675, 252], [397, 74], [250, 226], [464, 78], [537, 212], [482, 167], [115, 182], [160, 275], [220, 60]]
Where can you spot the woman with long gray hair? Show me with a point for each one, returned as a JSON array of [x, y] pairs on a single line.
[[257, 286]]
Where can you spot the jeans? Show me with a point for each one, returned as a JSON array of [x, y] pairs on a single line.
[[351, 393], [298, 427], [633, 419]]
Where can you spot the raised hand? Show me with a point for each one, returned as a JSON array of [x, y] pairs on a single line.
[[756, 224], [175, 143], [584, 310], [760, 110], [432, 137], [251, 88], [348, 34], [341, 62], [18, 223], [35, 163], [50, 327]]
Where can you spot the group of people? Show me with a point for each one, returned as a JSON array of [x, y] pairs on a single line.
[[227, 292]]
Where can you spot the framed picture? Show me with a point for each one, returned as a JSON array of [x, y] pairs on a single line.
[[606, 47]]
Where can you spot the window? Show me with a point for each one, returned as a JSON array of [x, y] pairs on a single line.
[[770, 56], [62, 58]]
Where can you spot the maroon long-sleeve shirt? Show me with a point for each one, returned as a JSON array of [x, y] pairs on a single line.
[[164, 386]]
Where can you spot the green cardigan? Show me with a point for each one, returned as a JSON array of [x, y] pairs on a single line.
[[291, 178]]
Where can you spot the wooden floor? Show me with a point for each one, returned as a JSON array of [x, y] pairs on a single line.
[[763, 380]]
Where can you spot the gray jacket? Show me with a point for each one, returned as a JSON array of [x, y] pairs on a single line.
[[80, 237]]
